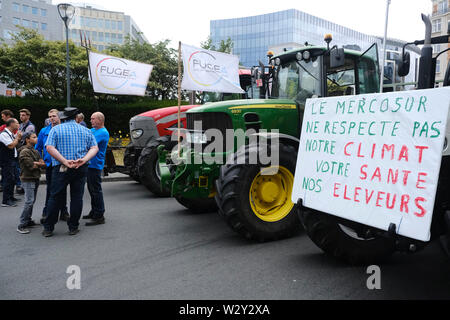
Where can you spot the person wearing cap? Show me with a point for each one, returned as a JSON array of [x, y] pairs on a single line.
[[53, 116], [71, 147]]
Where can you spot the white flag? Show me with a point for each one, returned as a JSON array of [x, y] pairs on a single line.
[[212, 71], [114, 75]]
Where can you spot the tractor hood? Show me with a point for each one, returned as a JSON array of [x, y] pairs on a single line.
[[256, 114], [157, 114], [229, 106], [154, 123]]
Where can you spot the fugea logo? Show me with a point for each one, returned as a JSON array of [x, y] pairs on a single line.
[[106, 70], [200, 65], [201, 62], [113, 74]]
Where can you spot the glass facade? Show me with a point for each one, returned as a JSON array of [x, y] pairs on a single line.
[[103, 28], [252, 36]]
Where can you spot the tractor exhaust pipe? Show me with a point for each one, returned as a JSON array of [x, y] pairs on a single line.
[[427, 65], [427, 22]]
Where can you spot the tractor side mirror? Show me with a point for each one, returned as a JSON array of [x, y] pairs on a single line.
[[255, 72], [337, 58], [261, 66], [404, 64]]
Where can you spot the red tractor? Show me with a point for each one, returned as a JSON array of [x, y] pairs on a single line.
[[150, 129]]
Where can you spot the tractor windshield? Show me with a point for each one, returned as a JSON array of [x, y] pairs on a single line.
[[208, 97], [298, 80]]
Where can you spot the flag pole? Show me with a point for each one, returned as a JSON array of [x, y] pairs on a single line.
[[179, 96], [383, 59]]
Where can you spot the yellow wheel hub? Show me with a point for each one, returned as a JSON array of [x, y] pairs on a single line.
[[270, 195]]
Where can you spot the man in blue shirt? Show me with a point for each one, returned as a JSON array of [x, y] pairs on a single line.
[[94, 176], [71, 147], [42, 139]]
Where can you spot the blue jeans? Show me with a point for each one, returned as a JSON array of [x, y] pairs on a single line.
[[30, 189], [76, 178], [48, 177], [8, 176], [94, 183]]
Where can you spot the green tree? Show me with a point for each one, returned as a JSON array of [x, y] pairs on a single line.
[[224, 46], [38, 66], [163, 80]]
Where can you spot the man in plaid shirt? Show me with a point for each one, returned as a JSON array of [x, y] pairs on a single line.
[[71, 146]]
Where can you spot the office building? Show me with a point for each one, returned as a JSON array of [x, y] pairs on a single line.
[[40, 15], [252, 36], [440, 18], [103, 27], [289, 29]]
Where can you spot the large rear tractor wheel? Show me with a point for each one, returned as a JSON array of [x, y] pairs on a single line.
[[255, 200], [148, 168], [201, 205], [348, 241]]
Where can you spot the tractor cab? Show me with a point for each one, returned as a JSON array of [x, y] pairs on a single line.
[[314, 71]]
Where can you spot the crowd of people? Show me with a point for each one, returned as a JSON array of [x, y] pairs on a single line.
[[71, 155]]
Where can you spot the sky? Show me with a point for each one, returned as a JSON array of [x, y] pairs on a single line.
[[188, 21]]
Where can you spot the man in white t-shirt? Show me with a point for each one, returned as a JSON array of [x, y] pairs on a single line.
[[8, 156]]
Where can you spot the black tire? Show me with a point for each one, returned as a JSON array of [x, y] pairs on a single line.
[[233, 197], [147, 167], [199, 205], [129, 162], [332, 235]]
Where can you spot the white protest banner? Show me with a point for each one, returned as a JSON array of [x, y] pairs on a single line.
[[374, 159], [212, 71], [114, 75]]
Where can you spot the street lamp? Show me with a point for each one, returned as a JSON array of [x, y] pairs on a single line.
[[66, 12]]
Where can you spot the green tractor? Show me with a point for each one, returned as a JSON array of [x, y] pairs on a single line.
[[252, 194], [357, 243]]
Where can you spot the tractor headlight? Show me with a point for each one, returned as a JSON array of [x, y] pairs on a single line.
[[136, 134], [197, 137]]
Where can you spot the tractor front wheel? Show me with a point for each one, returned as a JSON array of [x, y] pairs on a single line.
[[255, 200], [148, 168], [199, 205]]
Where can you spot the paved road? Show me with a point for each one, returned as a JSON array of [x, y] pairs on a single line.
[[152, 248]]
